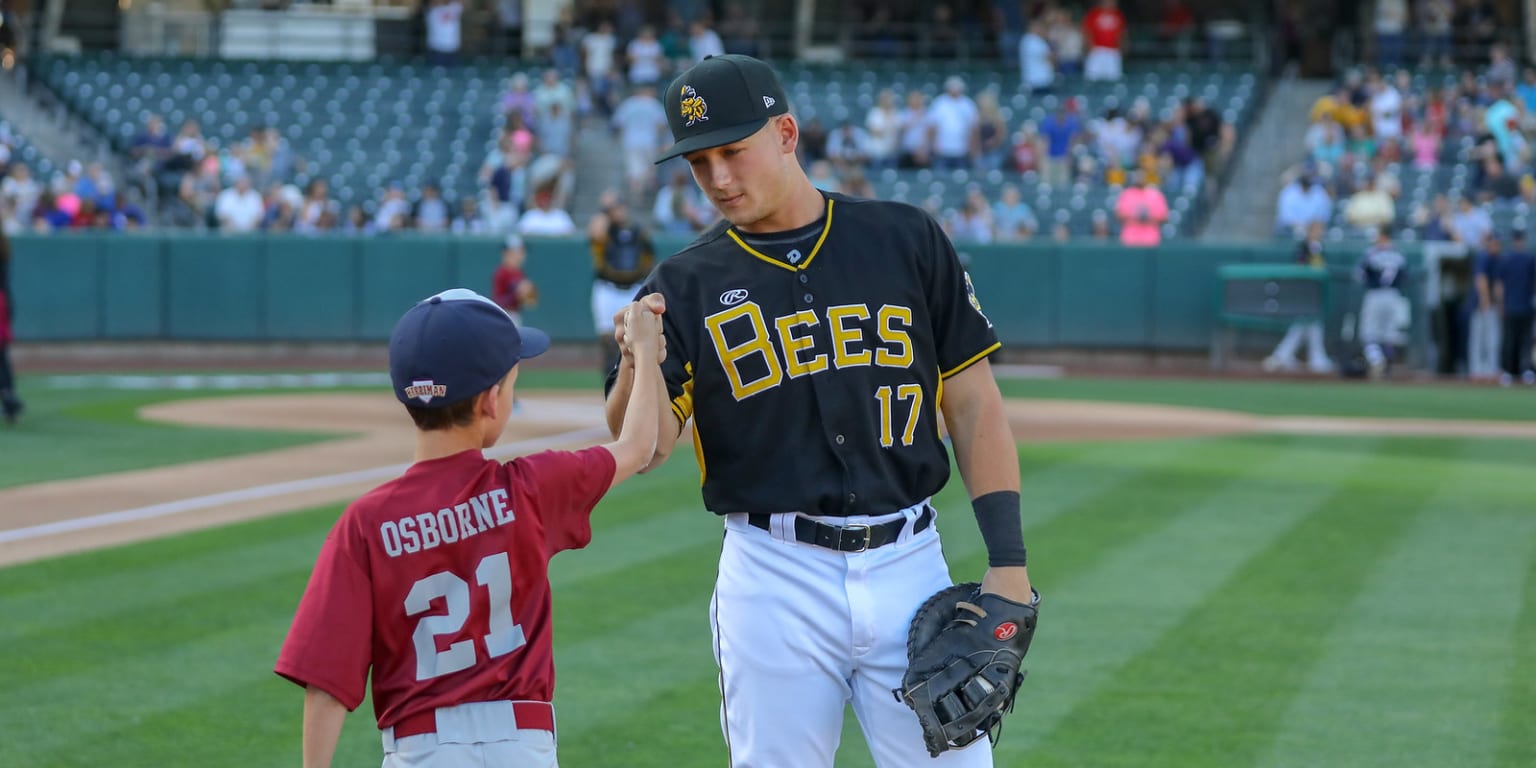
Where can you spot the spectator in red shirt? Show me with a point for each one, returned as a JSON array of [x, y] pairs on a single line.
[[510, 286], [1104, 26]]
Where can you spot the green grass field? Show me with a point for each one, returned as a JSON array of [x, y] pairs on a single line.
[[1243, 601]]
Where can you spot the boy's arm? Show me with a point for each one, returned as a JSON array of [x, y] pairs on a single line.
[[617, 407], [323, 716], [635, 447]]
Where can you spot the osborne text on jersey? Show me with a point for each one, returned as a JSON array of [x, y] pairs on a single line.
[[414, 533]]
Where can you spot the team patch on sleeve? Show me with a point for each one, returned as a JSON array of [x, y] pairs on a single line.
[[970, 293]]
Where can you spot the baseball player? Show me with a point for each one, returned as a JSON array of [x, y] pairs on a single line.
[[510, 286], [1384, 310], [814, 340], [437, 581], [622, 255]]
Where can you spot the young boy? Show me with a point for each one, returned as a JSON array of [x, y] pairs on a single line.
[[437, 581], [510, 286]]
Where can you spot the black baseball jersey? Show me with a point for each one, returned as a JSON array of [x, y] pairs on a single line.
[[812, 362]]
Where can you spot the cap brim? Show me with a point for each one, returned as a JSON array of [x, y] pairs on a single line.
[[535, 342], [715, 138]]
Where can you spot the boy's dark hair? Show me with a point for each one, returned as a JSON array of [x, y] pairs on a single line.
[[460, 414]]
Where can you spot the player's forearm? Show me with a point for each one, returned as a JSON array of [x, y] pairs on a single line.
[[323, 716], [978, 429]]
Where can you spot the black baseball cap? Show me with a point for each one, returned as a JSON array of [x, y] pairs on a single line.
[[455, 345], [720, 100]]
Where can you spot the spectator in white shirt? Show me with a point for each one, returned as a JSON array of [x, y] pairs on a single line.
[[646, 57], [641, 122], [239, 208], [394, 211], [1302, 202], [444, 19], [597, 49], [883, 126], [552, 90], [1386, 110], [953, 117], [544, 219], [1037, 69], [703, 42], [1470, 224]]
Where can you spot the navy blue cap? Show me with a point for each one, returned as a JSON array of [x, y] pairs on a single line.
[[455, 345]]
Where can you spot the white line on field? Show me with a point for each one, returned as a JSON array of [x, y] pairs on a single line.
[[272, 490]]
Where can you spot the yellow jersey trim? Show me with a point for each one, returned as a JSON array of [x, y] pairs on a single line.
[[698, 453], [826, 229], [972, 361], [682, 405]]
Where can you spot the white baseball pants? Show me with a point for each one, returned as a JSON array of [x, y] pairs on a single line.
[[800, 630]]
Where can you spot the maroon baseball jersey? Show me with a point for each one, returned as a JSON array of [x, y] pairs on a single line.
[[439, 580]]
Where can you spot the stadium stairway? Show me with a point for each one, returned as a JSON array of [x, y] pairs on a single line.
[[51, 129], [1246, 209], [598, 167]]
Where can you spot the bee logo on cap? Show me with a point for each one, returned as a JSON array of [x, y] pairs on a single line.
[[693, 107]]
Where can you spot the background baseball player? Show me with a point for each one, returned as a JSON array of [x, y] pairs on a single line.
[[437, 581], [809, 337], [510, 286], [1384, 310], [622, 255]]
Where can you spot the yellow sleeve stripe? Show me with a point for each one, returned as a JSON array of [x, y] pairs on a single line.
[[682, 405], [972, 361]]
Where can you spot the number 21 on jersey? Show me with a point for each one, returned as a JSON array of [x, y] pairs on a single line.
[[495, 574], [909, 394]]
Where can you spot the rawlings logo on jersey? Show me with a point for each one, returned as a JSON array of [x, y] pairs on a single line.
[[733, 297], [970, 292], [693, 107], [426, 389]]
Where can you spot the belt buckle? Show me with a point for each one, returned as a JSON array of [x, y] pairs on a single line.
[[863, 547]]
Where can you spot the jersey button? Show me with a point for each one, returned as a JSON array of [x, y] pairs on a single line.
[[809, 298], [839, 439], [804, 278], [853, 497]]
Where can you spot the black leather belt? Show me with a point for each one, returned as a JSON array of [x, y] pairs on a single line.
[[846, 538]]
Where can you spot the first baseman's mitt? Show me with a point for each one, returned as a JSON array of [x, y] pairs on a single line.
[[963, 655]]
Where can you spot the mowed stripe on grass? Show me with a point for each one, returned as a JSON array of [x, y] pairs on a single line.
[[1192, 590], [1414, 672]]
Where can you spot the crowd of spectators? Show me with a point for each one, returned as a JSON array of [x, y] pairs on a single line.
[[603, 70], [1466, 134]]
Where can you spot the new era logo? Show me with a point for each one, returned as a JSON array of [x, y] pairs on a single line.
[[768, 101]]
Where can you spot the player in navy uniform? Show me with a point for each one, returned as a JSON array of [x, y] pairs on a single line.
[[814, 341], [1384, 310]]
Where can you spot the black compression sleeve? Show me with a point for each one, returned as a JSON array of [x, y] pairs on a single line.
[[1002, 528]]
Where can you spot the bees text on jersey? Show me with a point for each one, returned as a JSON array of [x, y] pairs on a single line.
[[812, 361]]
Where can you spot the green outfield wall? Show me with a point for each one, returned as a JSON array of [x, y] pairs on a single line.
[[188, 287]]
